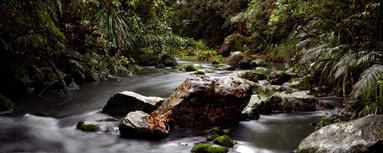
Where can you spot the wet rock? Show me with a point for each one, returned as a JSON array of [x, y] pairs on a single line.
[[238, 60], [278, 77], [209, 148], [106, 125], [216, 132], [282, 102], [199, 72], [206, 102], [361, 135], [138, 125], [189, 68], [88, 126], [253, 75], [263, 70], [297, 84], [250, 111], [258, 63], [224, 141], [124, 102], [6, 104]]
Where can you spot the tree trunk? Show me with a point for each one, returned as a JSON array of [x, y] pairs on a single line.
[[60, 79]]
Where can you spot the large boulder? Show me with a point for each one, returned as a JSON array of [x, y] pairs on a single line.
[[206, 102], [124, 102], [234, 42], [139, 124], [281, 102], [238, 60], [362, 135]]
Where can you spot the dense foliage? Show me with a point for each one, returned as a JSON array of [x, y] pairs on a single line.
[[340, 43]]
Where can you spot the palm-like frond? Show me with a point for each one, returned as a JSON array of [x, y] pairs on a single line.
[[343, 66], [369, 58], [111, 21], [368, 81]]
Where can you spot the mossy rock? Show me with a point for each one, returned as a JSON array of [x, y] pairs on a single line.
[[189, 68], [224, 141], [168, 60], [6, 104], [199, 72], [87, 126], [216, 132], [257, 63], [253, 76], [209, 148]]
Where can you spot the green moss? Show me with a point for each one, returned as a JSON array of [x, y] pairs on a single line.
[[253, 76], [199, 72], [224, 141], [87, 126], [6, 104], [189, 68], [209, 148]]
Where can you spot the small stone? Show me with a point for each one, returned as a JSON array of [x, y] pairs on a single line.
[[88, 126]]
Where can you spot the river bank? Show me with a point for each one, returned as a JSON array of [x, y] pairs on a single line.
[[264, 135]]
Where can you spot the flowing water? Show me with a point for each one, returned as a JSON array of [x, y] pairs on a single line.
[[53, 129]]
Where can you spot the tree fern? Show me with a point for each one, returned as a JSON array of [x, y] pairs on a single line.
[[368, 81]]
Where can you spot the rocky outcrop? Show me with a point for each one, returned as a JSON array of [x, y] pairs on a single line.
[[298, 83], [250, 112], [278, 77], [238, 60], [205, 102], [139, 124], [258, 63], [232, 43], [362, 135], [281, 102], [124, 102]]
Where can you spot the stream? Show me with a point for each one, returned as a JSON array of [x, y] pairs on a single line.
[[53, 128]]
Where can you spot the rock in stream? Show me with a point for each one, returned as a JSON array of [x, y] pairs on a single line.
[[206, 102]]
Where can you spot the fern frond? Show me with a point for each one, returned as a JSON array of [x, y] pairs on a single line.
[[368, 81]]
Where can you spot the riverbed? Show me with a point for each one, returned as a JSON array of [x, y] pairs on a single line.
[[52, 127]]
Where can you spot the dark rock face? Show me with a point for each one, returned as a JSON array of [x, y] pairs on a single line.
[[205, 102], [238, 60], [124, 102], [137, 125], [250, 111], [232, 43], [361, 135], [279, 77]]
